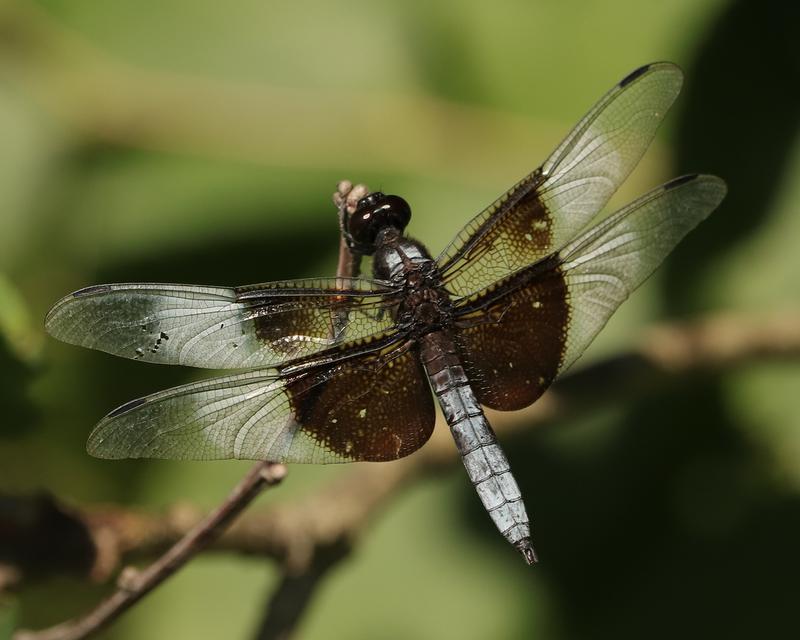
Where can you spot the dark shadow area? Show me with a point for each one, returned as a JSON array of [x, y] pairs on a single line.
[[671, 523], [37, 535], [672, 527], [237, 260], [15, 378], [740, 117]]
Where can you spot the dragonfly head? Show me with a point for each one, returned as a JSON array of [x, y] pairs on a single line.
[[373, 213]]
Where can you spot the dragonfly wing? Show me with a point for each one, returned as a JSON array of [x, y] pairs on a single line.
[[518, 335], [545, 210], [373, 404], [223, 328]]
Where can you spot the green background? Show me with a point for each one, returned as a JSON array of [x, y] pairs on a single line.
[[196, 141]]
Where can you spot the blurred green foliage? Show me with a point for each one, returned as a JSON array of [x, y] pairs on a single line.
[[199, 142]]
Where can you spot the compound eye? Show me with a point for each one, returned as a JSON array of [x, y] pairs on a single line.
[[373, 213], [396, 211]]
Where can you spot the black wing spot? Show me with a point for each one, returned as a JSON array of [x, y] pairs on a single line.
[[633, 75], [127, 407], [164, 336], [677, 182], [144, 327], [89, 291]]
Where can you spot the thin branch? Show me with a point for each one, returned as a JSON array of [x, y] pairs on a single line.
[[134, 585], [346, 199]]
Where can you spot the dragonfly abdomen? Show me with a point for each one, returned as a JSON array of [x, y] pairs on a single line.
[[484, 460]]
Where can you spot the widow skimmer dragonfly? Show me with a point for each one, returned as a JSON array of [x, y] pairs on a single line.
[[342, 369]]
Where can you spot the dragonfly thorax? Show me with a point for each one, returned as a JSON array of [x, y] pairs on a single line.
[[426, 310], [406, 264]]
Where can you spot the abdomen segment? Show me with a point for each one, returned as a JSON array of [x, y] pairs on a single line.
[[484, 460]]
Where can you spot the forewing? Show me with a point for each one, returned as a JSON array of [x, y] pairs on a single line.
[[550, 206], [518, 336], [217, 327], [372, 406]]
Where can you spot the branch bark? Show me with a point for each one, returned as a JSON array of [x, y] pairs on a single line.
[[134, 585]]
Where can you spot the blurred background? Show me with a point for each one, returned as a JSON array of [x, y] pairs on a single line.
[[199, 142]]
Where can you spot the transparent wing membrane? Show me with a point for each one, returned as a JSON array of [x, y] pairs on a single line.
[[223, 328], [376, 406], [519, 335], [546, 209], [603, 266]]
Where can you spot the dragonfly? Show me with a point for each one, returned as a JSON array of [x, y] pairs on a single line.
[[343, 369]]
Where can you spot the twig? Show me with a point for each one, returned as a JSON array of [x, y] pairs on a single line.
[[134, 585], [346, 199]]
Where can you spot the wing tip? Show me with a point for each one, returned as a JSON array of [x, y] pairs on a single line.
[[96, 451], [50, 318], [90, 290], [708, 180], [96, 447], [652, 66], [127, 407], [681, 180], [636, 73]]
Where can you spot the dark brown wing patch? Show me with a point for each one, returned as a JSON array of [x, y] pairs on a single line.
[[296, 322], [287, 325], [373, 407], [513, 344], [517, 231]]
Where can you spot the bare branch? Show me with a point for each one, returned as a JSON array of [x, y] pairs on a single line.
[[134, 585], [346, 199]]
